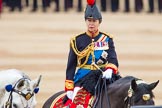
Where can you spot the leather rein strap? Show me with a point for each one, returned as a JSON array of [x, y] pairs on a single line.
[[99, 91]]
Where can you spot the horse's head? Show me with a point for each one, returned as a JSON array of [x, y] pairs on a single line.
[[22, 93], [142, 92]]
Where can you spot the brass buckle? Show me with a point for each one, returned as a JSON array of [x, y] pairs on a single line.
[[93, 68]]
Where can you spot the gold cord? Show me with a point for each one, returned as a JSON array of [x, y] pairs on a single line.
[[85, 53]]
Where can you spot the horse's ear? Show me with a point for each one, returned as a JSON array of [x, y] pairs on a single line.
[[134, 84], [153, 85], [36, 81]]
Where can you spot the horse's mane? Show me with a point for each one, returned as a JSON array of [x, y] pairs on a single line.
[[21, 73], [122, 81]]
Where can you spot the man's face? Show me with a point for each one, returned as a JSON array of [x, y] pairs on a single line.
[[92, 24]]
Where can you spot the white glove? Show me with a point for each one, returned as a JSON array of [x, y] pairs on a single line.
[[69, 94], [107, 74]]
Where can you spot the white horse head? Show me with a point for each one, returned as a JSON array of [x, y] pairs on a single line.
[[17, 90]]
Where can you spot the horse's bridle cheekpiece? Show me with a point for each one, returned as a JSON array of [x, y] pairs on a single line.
[[9, 88], [129, 101]]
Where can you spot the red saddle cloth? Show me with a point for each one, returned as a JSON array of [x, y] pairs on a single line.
[[83, 99]]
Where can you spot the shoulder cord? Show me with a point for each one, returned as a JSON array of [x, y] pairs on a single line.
[[85, 53]]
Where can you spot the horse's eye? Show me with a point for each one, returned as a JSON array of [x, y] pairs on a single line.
[[15, 106]]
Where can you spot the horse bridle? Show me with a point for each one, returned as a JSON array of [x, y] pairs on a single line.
[[128, 101], [27, 96]]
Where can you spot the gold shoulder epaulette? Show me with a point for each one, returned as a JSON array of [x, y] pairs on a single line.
[[74, 37], [108, 34], [73, 43]]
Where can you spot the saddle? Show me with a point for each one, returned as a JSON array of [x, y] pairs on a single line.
[[83, 99]]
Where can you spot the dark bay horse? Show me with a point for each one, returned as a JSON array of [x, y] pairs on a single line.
[[123, 93]]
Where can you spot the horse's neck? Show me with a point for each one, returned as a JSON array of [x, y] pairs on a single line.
[[3, 97], [118, 91], [118, 88]]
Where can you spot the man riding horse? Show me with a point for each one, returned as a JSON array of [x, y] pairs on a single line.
[[92, 54]]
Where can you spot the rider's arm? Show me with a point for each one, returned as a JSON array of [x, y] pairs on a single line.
[[70, 70], [112, 57]]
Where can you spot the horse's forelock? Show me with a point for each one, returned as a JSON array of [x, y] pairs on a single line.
[[139, 81]]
